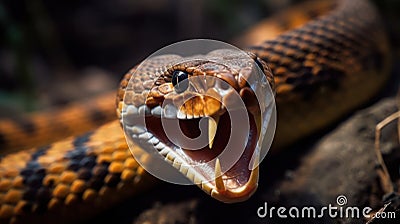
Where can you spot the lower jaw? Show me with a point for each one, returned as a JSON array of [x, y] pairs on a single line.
[[235, 177]]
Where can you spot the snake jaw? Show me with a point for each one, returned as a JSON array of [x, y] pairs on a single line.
[[239, 194], [222, 193], [206, 168], [219, 98]]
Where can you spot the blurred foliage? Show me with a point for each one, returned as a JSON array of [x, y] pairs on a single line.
[[15, 42]]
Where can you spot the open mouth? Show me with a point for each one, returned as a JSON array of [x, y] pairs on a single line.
[[203, 117], [227, 181]]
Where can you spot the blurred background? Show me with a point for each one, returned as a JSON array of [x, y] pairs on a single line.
[[52, 52]]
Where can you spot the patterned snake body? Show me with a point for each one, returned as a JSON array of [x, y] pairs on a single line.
[[345, 51], [321, 71]]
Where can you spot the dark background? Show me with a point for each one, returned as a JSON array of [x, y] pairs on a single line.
[[53, 52]]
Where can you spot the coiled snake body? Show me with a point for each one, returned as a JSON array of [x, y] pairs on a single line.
[[320, 70]]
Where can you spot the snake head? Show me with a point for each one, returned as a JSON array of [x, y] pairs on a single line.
[[202, 115]]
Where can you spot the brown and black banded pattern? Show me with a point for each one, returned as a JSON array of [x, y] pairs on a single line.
[[344, 52], [44, 127], [324, 51], [69, 179], [79, 177]]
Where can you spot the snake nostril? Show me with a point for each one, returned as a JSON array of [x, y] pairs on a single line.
[[179, 80]]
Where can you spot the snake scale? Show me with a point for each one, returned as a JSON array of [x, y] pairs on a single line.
[[321, 71]]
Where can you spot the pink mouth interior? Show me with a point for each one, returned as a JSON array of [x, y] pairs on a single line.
[[238, 175]]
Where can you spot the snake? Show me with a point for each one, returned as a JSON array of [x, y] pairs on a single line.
[[319, 71]]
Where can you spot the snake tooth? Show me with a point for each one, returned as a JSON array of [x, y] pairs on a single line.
[[212, 129], [219, 182]]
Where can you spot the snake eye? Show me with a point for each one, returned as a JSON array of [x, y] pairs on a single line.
[[179, 81]]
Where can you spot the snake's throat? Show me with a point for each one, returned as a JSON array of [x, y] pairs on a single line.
[[234, 184]]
